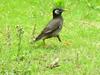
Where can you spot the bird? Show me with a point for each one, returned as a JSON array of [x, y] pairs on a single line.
[[54, 26]]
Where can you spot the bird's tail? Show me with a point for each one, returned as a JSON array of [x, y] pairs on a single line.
[[39, 37]]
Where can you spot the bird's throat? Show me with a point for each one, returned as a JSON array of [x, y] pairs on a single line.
[[56, 16]]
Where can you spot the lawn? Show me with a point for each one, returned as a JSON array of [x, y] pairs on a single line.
[[78, 53]]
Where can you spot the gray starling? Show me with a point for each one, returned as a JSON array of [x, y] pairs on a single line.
[[53, 27]]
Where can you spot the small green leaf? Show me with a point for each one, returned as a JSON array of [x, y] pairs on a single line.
[[59, 3]]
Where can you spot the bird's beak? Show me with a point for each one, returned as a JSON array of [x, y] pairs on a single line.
[[65, 9]]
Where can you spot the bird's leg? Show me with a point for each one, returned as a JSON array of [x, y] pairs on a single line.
[[58, 38], [43, 41]]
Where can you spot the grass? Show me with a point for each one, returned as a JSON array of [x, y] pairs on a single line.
[[78, 52]]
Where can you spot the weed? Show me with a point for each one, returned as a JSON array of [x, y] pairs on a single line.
[[20, 33]]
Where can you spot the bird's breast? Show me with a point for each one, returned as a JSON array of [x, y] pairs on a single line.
[[56, 32]]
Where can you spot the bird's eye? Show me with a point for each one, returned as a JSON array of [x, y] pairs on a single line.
[[56, 11]]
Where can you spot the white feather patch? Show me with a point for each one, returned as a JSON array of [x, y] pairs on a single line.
[[56, 11]]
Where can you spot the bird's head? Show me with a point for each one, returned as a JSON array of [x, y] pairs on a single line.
[[57, 12]]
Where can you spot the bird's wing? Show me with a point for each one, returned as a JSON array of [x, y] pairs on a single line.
[[52, 26]]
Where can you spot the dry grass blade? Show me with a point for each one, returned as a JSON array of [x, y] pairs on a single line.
[[33, 34], [8, 36], [55, 63]]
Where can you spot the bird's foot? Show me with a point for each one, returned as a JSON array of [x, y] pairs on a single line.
[[66, 43]]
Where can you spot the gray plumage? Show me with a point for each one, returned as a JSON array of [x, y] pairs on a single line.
[[53, 27]]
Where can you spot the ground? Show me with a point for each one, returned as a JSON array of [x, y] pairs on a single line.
[[78, 53]]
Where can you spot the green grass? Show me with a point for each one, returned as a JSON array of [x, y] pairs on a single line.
[[79, 51]]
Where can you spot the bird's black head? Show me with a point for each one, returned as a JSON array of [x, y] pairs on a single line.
[[57, 12]]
